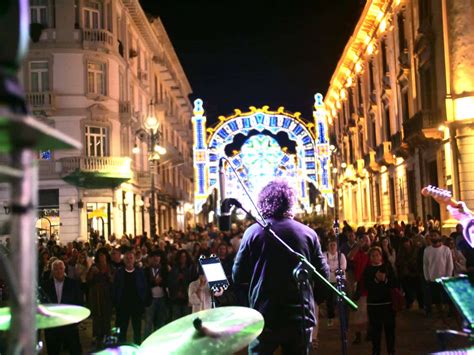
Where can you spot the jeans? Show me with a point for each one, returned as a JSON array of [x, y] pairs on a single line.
[[288, 337], [123, 318], [179, 310], [382, 317], [156, 315]]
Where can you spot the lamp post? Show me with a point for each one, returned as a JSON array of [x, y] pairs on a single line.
[[154, 152]]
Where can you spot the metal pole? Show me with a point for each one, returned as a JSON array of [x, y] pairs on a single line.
[[153, 192], [24, 195]]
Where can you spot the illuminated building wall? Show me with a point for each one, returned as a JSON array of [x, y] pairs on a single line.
[[261, 158], [400, 108]]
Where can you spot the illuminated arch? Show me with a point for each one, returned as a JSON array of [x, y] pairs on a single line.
[[209, 147]]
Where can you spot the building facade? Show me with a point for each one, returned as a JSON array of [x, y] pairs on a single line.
[[401, 109], [96, 70]]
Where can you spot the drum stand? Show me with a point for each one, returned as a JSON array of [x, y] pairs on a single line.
[[21, 137]]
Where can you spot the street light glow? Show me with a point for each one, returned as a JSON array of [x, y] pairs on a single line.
[[152, 123], [160, 150]]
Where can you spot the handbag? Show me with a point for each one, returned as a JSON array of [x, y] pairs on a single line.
[[398, 299]]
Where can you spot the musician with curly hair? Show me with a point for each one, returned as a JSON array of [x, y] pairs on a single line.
[[266, 267]]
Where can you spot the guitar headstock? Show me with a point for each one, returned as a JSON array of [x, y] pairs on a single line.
[[440, 195]]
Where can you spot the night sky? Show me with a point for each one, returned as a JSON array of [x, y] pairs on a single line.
[[242, 53]]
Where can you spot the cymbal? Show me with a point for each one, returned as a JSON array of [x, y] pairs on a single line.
[[49, 315], [229, 329], [119, 350]]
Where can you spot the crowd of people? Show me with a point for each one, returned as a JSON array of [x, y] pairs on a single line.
[[155, 281]]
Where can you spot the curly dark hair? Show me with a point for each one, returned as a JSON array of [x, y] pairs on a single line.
[[276, 199]]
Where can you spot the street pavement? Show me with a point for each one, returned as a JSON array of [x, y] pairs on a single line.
[[415, 335]]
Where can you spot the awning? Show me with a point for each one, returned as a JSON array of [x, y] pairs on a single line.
[[96, 180]]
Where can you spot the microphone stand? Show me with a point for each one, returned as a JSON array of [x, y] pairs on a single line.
[[340, 286]]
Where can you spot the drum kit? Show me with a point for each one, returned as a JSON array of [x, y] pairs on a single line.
[[223, 330]]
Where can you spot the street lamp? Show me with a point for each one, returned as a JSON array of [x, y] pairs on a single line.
[[154, 152]]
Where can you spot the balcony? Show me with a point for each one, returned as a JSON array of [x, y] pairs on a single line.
[[95, 38], [370, 162], [143, 180], [96, 172], [48, 169], [384, 155], [399, 147], [41, 101], [360, 168], [422, 128]]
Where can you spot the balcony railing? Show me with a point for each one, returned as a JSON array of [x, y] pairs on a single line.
[[48, 169], [119, 166], [383, 155], [423, 124], [399, 147], [98, 37], [41, 100], [370, 163]]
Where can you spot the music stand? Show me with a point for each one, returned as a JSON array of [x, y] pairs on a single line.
[[460, 290]]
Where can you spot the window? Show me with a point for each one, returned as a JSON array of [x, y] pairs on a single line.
[[91, 15], [361, 144], [96, 78], [96, 141], [426, 88], [371, 77], [377, 199], [391, 184], [373, 132], [405, 111], [39, 12], [402, 42], [359, 89], [384, 58], [386, 115], [39, 76], [122, 87]]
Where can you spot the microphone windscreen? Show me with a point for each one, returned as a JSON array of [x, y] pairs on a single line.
[[224, 223]]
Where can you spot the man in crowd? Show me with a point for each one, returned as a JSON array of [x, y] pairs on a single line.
[[63, 290], [437, 262], [130, 295], [267, 267], [156, 274]]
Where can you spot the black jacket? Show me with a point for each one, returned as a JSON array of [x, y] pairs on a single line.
[[267, 267], [72, 293]]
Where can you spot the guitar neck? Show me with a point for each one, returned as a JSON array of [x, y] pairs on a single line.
[[441, 196]]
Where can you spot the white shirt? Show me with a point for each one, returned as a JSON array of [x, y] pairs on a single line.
[[333, 265], [156, 291], [58, 285], [437, 262], [199, 298]]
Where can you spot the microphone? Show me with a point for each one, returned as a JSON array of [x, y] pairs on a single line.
[[224, 218], [221, 179]]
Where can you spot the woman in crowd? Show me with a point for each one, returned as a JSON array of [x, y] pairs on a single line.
[[379, 279], [389, 254], [333, 262], [199, 294], [459, 260], [99, 280], [408, 274], [180, 276]]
